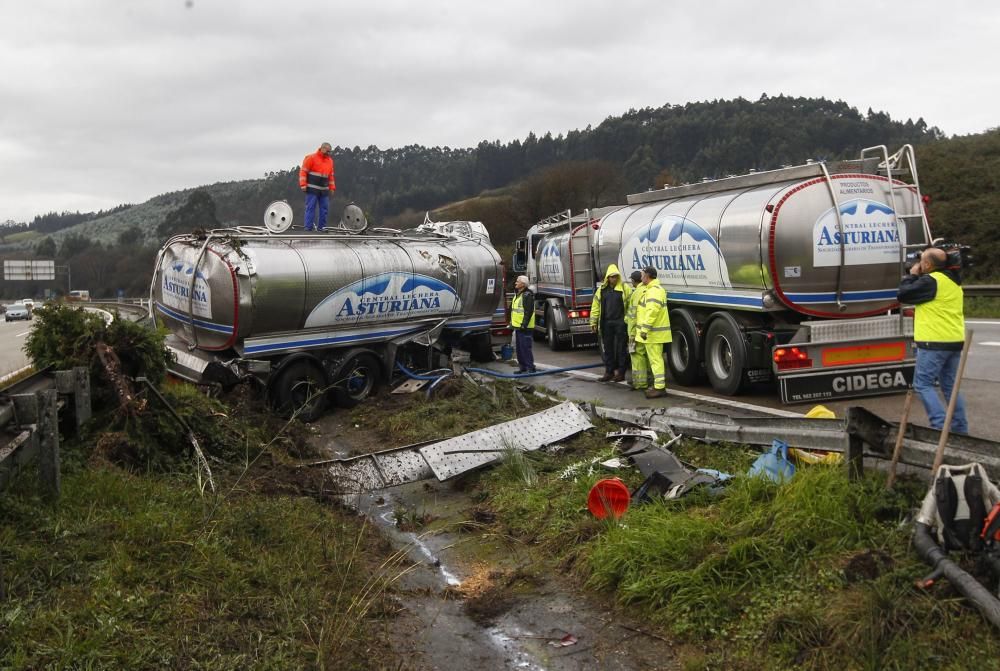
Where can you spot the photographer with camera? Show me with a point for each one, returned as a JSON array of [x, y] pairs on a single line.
[[934, 286]]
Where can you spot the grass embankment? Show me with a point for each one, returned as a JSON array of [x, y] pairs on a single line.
[[141, 572], [143, 564], [815, 574]]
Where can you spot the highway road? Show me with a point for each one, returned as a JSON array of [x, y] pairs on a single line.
[[981, 386], [12, 335]]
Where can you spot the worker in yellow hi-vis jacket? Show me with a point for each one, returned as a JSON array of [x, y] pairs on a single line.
[[653, 331], [639, 372]]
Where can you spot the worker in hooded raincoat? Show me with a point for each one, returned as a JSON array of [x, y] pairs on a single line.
[[607, 319], [652, 332], [639, 374]]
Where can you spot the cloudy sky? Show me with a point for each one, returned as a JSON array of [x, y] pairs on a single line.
[[104, 101]]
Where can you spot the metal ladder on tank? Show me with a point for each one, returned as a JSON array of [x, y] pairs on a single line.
[[902, 162], [582, 259]]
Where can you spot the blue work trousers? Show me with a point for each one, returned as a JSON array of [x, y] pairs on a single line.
[[312, 201], [941, 366], [525, 357]]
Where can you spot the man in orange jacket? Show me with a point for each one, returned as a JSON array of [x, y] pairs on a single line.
[[316, 181]]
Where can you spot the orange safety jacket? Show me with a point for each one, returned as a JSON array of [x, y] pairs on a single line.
[[316, 174]]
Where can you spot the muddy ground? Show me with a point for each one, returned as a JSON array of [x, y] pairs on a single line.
[[472, 598]]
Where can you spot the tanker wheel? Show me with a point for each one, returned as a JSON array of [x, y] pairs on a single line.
[[300, 390], [725, 356], [550, 330], [684, 359], [359, 377]]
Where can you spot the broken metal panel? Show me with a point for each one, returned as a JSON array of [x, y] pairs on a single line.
[[379, 470], [458, 455], [816, 434], [409, 386]]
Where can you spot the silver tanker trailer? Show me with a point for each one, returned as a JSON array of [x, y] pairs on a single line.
[[304, 312], [788, 274]]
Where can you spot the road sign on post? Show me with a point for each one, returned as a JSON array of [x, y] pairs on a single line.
[[24, 270]]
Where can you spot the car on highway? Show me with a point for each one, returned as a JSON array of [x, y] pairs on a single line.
[[17, 311]]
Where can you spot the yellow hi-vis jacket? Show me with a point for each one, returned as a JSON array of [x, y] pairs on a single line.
[[621, 287], [632, 313], [521, 310], [653, 320], [943, 318]]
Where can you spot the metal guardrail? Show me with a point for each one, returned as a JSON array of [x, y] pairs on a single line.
[[33, 418], [981, 290]]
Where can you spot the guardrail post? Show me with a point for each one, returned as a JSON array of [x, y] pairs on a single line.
[[48, 443], [854, 448], [81, 395]]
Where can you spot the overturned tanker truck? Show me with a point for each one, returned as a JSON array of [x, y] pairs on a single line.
[[320, 317], [786, 275]]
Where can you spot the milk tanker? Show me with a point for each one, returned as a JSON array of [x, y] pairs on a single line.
[[309, 312], [788, 274]]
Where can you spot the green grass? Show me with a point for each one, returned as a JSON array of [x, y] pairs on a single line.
[[982, 307], [140, 572], [459, 407], [23, 236], [760, 578]]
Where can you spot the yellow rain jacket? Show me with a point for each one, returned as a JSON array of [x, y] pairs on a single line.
[[653, 320], [623, 287]]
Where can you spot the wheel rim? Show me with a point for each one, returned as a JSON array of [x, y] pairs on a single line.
[[722, 357], [551, 328], [680, 352], [359, 381], [304, 393]]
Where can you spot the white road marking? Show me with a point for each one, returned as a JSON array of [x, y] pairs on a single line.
[[986, 323], [991, 343], [21, 335], [727, 402]]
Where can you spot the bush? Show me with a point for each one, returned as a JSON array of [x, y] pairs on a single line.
[[66, 336]]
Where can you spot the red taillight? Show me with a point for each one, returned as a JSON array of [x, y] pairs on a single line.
[[579, 314], [909, 312], [791, 357]]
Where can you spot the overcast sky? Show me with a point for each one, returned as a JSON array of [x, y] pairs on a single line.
[[106, 101]]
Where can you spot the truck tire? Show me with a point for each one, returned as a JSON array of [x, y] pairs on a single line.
[[300, 389], [550, 330], [357, 379], [480, 347], [725, 355], [684, 359]]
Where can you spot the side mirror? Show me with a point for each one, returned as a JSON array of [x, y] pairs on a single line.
[[519, 262]]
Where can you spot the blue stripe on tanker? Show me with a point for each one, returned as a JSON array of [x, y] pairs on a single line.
[[749, 301], [311, 342], [197, 322], [288, 344], [848, 296]]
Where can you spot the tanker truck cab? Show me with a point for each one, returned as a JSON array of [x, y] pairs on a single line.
[[321, 318], [557, 256], [785, 276]]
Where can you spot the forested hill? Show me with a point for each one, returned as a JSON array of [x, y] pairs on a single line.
[[511, 185], [676, 142]]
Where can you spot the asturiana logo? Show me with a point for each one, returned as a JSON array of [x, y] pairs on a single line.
[[550, 267], [869, 234], [388, 296], [686, 254], [179, 291]]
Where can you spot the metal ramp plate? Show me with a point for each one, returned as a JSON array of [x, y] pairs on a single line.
[[455, 456], [379, 470], [410, 386]]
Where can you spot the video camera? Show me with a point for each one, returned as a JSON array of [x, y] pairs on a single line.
[[959, 255]]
